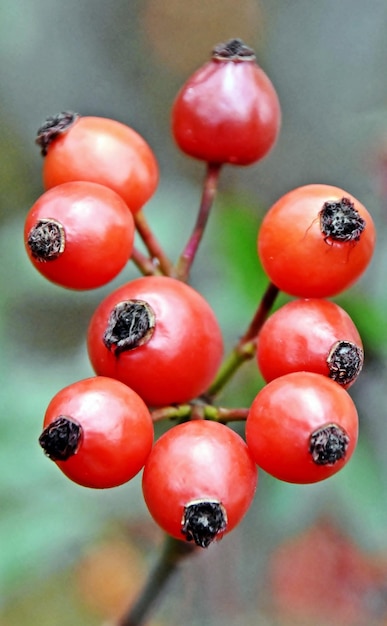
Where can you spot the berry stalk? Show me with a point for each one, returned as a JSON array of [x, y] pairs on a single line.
[[156, 252], [246, 346], [144, 265], [210, 185], [184, 412], [172, 555]]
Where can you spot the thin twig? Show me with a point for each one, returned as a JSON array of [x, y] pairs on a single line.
[[171, 412], [174, 551], [154, 248], [144, 265], [187, 257], [246, 346], [225, 415], [192, 411]]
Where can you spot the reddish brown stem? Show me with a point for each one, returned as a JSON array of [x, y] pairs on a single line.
[[187, 257], [261, 314], [156, 252], [145, 265], [225, 415], [173, 553]]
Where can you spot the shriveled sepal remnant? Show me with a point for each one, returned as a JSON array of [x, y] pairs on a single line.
[[46, 240], [203, 521], [345, 362], [60, 440], [328, 444], [341, 221], [131, 324], [53, 126]]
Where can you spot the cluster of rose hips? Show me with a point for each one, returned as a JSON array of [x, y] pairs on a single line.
[[155, 343]]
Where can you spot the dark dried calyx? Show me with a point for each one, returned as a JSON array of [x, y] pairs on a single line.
[[203, 521], [131, 324], [328, 444], [341, 221], [46, 240], [54, 126], [233, 50], [345, 362], [60, 440]]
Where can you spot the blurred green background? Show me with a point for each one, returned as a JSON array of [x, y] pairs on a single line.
[[304, 554]]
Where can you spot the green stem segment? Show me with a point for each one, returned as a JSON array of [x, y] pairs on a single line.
[[210, 185], [173, 553], [184, 412], [246, 346]]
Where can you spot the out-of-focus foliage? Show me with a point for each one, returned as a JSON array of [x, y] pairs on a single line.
[[126, 60]]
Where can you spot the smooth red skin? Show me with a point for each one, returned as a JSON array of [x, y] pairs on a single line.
[[198, 460], [300, 335], [99, 234], [117, 431], [103, 151], [284, 415], [293, 250], [227, 112], [181, 358]]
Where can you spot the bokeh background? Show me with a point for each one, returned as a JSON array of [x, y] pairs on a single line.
[[304, 554]]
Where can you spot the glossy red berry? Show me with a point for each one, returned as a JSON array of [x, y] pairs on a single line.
[[313, 335], [99, 150], [98, 431], [79, 235], [228, 110], [159, 336], [302, 427], [316, 241], [199, 481]]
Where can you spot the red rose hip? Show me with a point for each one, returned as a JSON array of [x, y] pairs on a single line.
[[228, 110], [159, 336]]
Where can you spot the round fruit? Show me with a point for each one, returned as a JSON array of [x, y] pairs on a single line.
[[99, 150], [302, 427], [316, 241], [199, 481], [313, 335], [159, 336], [228, 110], [79, 235], [98, 431]]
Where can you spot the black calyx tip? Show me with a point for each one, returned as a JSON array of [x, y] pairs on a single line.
[[52, 127], [131, 324], [233, 50], [341, 221], [203, 521], [345, 362], [46, 240], [60, 440], [328, 444]]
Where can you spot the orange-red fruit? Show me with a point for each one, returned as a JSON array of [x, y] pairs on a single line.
[[181, 354], [286, 415], [228, 110], [103, 151], [97, 234], [303, 335], [198, 461], [303, 260], [117, 431]]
